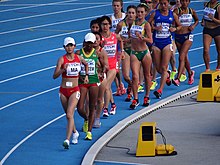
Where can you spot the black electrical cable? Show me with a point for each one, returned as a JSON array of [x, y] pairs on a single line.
[[126, 148]]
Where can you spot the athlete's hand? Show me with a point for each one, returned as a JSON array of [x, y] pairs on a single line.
[[158, 28], [210, 16], [65, 66], [190, 28], [173, 29]]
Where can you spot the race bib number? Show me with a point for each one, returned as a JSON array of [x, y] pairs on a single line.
[[69, 84], [171, 47], [77, 95], [135, 30], [73, 69], [117, 66], [186, 19], [124, 32], [191, 37], [110, 49], [91, 67], [208, 11], [165, 32]]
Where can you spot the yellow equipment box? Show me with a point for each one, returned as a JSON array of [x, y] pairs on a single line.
[[146, 139], [209, 85], [162, 149]]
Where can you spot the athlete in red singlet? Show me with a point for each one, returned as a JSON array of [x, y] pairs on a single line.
[[69, 67]]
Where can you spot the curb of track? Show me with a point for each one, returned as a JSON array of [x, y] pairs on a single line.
[[91, 154]]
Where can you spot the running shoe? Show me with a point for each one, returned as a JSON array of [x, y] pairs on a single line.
[[153, 85], [173, 74], [191, 78], [140, 88], [128, 98], [85, 126], [168, 81], [183, 78], [105, 112], [176, 82], [113, 109], [97, 123], [129, 89], [207, 70], [158, 94], [146, 101], [75, 137], [66, 144], [217, 69], [118, 92], [134, 104], [88, 136], [122, 88]]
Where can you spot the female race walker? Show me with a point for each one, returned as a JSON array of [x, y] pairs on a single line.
[[211, 23], [110, 41], [162, 22], [122, 32], [69, 66], [116, 17], [184, 38], [91, 57], [102, 70], [140, 34]]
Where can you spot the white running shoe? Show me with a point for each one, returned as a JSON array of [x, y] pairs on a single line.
[[113, 109], [97, 123], [75, 137]]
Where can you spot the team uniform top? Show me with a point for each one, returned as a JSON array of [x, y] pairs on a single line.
[[186, 19], [124, 29], [163, 36], [210, 10], [92, 60], [73, 68], [115, 21], [111, 49], [137, 29]]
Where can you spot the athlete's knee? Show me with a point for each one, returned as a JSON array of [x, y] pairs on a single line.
[[69, 115], [135, 77], [99, 100]]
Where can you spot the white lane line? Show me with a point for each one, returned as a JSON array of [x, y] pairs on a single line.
[[117, 162], [47, 51], [26, 74], [42, 38], [21, 142], [51, 24], [51, 67], [29, 97], [18, 101], [59, 12], [53, 13], [30, 55], [32, 5], [34, 54], [29, 136]]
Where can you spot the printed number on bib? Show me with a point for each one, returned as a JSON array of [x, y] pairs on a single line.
[[171, 47], [191, 37], [77, 95]]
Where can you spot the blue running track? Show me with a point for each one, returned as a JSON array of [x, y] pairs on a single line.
[[32, 121]]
